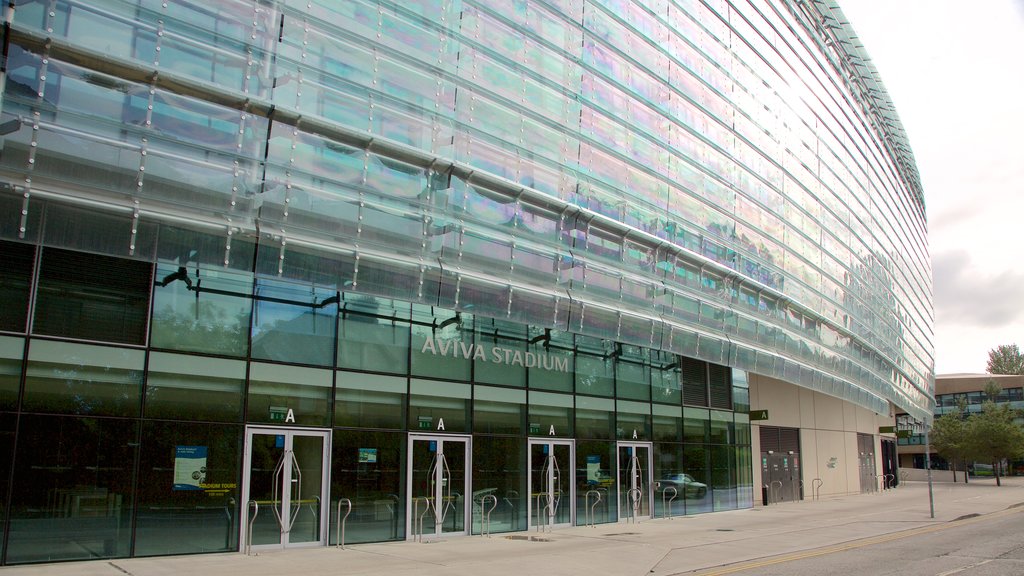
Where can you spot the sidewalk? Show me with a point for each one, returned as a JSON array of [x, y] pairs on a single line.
[[663, 546]]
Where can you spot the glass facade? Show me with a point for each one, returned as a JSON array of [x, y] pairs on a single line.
[[277, 257]]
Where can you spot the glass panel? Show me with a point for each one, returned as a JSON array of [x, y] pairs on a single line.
[[11, 352], [505, 357], [695, 463], [498, 471], [289, 395], [369, 401], [595, 418], [376, 343], [366, 468], [71, 493], [594, 375], [633, 420], [595, 477], [19, 259], [541, 498], [667, 423], [306, 481], [211, 317], [551, 414], [441, 348], [83, 379], [723, 477], [560, 486], [633, 380], [438, 406], [498, 410], [266, 468], [8, 423], [294, 323], [696, 425], [194, 387], [92, 297], [200, 515], [557, 374]]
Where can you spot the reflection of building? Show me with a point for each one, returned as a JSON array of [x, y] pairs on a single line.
[[950, 390], [531, 256]]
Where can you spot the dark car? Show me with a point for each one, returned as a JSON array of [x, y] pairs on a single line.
[[685, 485]]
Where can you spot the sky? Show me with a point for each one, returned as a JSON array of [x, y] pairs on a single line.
[[955, 71]]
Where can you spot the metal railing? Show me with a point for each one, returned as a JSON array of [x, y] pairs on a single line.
[[666, 507], [543, 511], [816, 487], [417, 517], [773, 495], [635, 495], [485, 515], [890, 481], [255, 507], [588, 508], [340, 530]]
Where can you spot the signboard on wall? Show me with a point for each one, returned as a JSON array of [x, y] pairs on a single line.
[[189, 467]]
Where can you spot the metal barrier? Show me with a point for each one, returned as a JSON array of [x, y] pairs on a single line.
[[485, 515], [816, 487], [255, 507], [666, 507], [879, 483], [890, 481], [799, 491], [340, 530], [904, 474], [775, 496], [542, 511], [635, 495], [588, 508], [417, 517]]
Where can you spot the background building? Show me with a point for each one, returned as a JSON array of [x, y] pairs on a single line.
[[949, 390], [537, 258]]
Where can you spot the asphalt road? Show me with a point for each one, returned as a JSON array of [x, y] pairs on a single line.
[[988, 545]]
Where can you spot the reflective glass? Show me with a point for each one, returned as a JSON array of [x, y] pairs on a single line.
[[71, 492], [201, 309], [188, 497], [12, 350], [289, 395], [498, 471], [369, 401], [551, 415], [443, 346], [595, 482], [498, 410], [696, 464], [436, 406], [92, 297], [595, 418], [194, 387], [366, 468], [294, 323], [80, 379], [19, 260]]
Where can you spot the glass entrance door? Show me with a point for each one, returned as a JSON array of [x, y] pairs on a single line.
[[284, 487], [552, 495], [438, 484], [634, 486]]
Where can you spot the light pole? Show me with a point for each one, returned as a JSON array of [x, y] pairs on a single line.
[[928, 467]]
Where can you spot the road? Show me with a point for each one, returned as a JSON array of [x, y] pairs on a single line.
[[987, 545]]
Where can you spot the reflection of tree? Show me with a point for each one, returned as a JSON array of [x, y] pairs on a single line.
[[210, 329]]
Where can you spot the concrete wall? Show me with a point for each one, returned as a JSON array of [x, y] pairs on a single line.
[[828, 433]]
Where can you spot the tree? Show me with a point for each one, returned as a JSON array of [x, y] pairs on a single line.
[[1005, 359], [949, 437], [992, 435]]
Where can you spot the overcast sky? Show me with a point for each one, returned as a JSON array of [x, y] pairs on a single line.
[[955, 71]]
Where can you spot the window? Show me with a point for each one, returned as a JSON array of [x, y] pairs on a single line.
[[92, 297]]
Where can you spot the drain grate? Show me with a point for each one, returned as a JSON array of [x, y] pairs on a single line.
[[528, 538], [724, 530], [622, 534]]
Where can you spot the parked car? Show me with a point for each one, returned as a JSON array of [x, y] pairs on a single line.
[[685, 485]]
